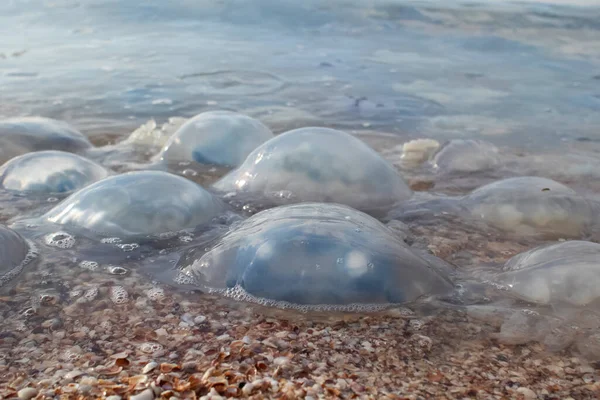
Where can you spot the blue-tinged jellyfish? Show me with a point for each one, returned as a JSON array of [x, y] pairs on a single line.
[[531, 205], [15, 253], [563, 272], [137, 204], [466, 155], [320, 165], [23, 135], [215, 138], [315, 254], [49, 172]]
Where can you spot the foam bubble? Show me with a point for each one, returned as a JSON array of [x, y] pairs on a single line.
[[89, 265], [119, 295], [156, 293], [150, 347], [112, 240], [116, 270], [60, 239]]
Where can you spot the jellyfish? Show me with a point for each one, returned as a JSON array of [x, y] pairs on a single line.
[[15, 253], [23, 135], [318, 165], [49, 172], [531, 205], [564, 272], [315, 254], [216, 138], [137, 204], [466, 156]]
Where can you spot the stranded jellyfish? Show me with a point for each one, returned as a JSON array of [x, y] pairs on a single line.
[[137, 203], [49, 172], [315, 254], [529, 205], [15, 253], [23, 135], [217, 138], [466, 156], [564, 272], [321, 165]]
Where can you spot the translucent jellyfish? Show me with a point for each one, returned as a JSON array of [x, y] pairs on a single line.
[[564, 272], [137, 203], [15, 253], [316, 254], [531, 205], [217, 138], [322, 165], [50, 172], [22, 135], [466, 156]]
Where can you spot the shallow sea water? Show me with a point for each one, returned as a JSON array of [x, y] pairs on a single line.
[[524, 77]]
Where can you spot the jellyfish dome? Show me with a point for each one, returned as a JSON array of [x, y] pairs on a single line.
[[50, 172], [531, 205], [564, 272], [466, 156], [320, 165], [137, 203], [22, 135], [15, 253], [217, 138], [315, 254]]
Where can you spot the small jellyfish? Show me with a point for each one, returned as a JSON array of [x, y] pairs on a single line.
[[137, 203], [50, 172], [23, 135], [531, 205], [321, 165], [215, 138], [15, 253], [469, 155], [311, 254], [563, 272]]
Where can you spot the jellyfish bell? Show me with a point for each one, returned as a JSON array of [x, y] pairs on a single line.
[[465, 156], [563, 272], [49, 172], [136, 204], [25, 134], [315, 255], [215, 138], [15, 253], [531, 205], [319, 165]]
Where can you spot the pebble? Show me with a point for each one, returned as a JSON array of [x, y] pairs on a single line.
[[147, 394], [527, 393], [27, 393], [149, 367], [114, 397]]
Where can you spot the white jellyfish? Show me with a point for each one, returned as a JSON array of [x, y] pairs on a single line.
[[217, 138], [23, 135], [316, 254], [531, 205], [462, 155], [563, 272], [321, 165], [137, 203], [15, 253], [49, 172]]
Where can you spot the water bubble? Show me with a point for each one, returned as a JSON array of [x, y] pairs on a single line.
[[112, 240], [156, 293], [127, 247], [116, 270], [150, 347]]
